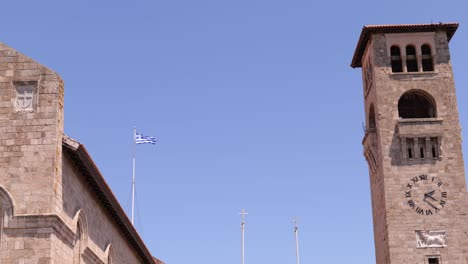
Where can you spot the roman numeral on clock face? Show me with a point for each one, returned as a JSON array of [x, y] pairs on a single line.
[[419, 211]]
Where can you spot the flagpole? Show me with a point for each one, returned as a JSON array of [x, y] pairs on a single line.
[[133, 175], [297, 241], [243, 213]]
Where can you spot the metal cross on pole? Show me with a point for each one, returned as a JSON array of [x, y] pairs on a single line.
[[243, 213]]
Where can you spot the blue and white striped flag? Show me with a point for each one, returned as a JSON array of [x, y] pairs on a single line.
[[140, 139]]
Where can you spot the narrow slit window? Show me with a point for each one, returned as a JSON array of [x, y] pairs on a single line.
[[411, 60], [372, 126], [409, 148], [434, 147], [395, 56], [427, 61], [422, 147]]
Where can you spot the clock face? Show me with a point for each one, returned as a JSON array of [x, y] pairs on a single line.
[[425, 195]]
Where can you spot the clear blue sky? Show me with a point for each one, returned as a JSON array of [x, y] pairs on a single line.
[[254, 106]]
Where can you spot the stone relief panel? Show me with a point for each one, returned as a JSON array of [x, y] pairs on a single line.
[[25, 96], [431, 239]]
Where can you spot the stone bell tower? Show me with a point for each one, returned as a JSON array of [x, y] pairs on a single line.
[[413, 144]]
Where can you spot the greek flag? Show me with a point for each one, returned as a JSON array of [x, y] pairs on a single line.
[[140, 139]]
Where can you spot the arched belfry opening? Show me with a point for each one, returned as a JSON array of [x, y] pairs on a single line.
[[396, 59], [416, 104], [427, 60], [411, 59]]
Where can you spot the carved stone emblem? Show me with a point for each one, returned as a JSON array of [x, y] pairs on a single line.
[[26, 93], [24, 97], [430, 239]]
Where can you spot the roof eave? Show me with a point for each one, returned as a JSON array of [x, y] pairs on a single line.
[[105, 195], [368, 30]]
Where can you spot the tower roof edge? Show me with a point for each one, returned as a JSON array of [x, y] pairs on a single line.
[[368, 30]]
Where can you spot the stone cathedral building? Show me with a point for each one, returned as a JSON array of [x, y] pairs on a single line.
[[55, 206], [413, 144]]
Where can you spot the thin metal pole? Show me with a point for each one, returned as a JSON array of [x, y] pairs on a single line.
[[133, 175], [243, 213], [242, 230], [297, 241]]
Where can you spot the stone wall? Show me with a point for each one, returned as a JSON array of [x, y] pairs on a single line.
[[49, 213], [101, 230]]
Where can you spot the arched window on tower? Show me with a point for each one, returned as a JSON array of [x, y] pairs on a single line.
[[427, 61], [415, 104], [411, 60], [395, 56]]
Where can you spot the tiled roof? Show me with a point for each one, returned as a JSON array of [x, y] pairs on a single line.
[[368, 30], [94, 178]]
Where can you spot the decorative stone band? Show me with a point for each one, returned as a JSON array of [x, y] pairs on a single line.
[[431, 239], [46, 225]]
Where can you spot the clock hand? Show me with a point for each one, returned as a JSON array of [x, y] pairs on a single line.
[[431, 205], [429, 195]]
